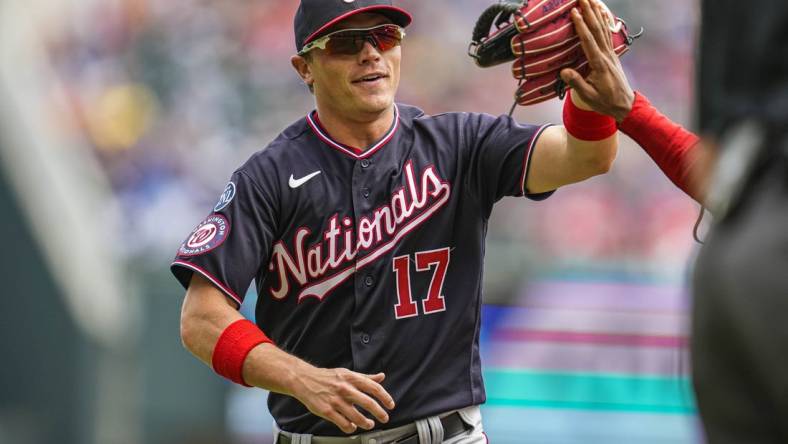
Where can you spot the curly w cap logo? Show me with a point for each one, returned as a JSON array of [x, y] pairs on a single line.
[[211, 233]]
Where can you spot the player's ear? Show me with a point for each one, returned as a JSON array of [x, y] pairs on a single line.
[[303, 68]]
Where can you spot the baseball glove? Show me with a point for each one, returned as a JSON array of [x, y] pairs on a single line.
[[539, 36]]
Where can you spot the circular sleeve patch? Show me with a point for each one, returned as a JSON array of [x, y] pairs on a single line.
[[227, 196], [211, 233]]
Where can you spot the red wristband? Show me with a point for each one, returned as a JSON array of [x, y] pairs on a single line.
[[234, 344], [586, 125]]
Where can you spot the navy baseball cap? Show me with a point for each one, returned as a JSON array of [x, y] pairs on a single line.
[[314, 17]]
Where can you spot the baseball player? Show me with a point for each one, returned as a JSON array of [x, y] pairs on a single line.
[[739, 341], [363, 225]]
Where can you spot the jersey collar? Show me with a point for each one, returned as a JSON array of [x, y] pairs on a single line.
[[356, 153]]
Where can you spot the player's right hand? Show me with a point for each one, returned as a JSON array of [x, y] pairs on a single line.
[[606, 90], [334, 395]]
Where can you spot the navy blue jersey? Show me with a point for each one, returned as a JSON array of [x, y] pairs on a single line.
[[369, 260]]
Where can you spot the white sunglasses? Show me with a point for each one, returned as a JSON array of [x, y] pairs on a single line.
[[351, 41]]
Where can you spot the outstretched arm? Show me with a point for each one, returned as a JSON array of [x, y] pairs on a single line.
[[587, 143], [606, 90], [573, 152], [679, 153]]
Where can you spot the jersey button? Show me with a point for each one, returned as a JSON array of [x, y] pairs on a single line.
[[368, 281], [365, 338], [365, 163], [365, 192]]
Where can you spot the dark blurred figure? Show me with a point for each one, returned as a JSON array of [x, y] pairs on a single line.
[[739, 335]]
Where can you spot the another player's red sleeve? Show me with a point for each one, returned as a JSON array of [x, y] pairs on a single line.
[[670, 145]]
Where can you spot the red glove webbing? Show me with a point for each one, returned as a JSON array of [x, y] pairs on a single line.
[[586, 125], [668, 144], [235, 342]]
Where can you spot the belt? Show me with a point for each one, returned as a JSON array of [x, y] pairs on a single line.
[[453, 425]]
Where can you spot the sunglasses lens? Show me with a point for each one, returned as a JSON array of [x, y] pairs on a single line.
[[387, 38], [352, 42], [345, 44]]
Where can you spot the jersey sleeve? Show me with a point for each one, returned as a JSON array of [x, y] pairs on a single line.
[[230, 246], [500, 154]]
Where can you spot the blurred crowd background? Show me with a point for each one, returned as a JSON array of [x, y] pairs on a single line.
[[122, 121]]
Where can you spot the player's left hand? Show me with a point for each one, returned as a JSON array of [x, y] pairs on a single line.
[[540, 38], [606, 89]]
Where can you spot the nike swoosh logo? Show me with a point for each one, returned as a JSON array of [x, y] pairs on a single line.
[[295, 183]]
